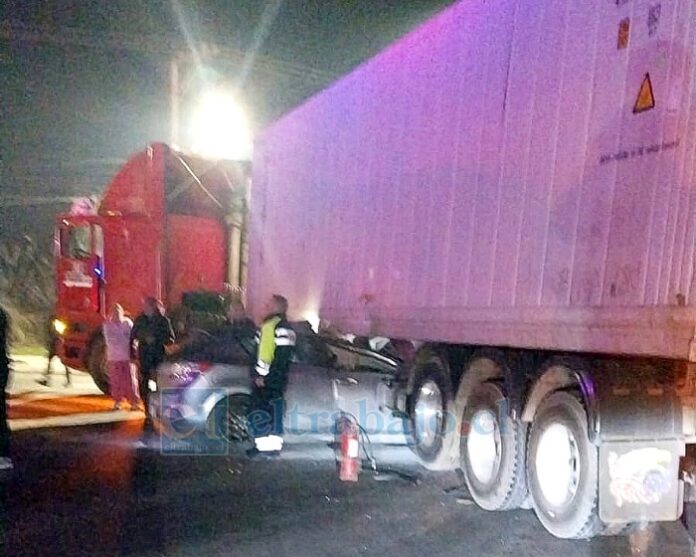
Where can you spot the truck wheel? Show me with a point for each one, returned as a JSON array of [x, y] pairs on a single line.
[[562, 468], [428, 417], [96, 363], [493, 451]]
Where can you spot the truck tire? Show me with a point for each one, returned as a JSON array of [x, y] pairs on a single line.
[[562, 468], [492, 450], [96, 363], [429, 420]]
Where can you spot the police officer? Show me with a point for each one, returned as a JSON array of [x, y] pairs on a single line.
[[275, 349]]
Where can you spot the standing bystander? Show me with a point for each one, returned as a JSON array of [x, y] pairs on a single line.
[[52, 344], [122, 379], [152, 331]]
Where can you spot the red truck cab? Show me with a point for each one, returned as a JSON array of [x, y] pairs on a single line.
[[167, 223]]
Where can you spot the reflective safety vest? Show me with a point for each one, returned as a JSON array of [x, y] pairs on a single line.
[[276, 343]]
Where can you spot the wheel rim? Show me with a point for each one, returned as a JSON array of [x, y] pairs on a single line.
[[483, 446], [428, 414], [236, 424], [557, 465]]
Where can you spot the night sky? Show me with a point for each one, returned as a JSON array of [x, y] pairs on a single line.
[[72, 113]]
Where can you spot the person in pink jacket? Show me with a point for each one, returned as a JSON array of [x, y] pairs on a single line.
[[122, 379]]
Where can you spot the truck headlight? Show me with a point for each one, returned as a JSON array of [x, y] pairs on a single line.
[[60, 326]]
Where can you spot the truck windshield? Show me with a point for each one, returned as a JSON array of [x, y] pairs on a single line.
[[75, 242]]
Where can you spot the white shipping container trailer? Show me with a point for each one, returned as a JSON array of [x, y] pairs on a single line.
[[512, 185]]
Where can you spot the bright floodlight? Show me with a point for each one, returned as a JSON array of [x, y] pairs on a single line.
[[220, 129]]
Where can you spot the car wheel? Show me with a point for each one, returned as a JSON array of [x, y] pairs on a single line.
[[229, 419], [428, 416], [96, 363], [562, 468], [492, 449]]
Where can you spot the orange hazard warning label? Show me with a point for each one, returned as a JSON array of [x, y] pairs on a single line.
[[646, 96]]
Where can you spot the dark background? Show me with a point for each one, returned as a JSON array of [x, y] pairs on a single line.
[[85, 83]]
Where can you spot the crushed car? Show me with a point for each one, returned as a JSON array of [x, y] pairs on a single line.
[[207, 387]]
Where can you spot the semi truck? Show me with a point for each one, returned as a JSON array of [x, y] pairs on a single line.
[[512, 189], [167, 224]]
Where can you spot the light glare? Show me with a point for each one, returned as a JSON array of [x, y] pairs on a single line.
[[312, 317], [220, 129], [60, 326]]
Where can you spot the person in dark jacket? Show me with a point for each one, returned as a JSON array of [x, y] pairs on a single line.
[[52, 344], [270, 375], [5, 461], [152, 331]]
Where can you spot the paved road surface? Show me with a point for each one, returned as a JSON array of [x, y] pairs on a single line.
[[99, 490], [32, 405]]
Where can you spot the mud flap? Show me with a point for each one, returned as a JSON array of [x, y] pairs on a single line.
[[639, 481]]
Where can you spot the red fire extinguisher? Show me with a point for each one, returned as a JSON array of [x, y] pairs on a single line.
[[349, 449]]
